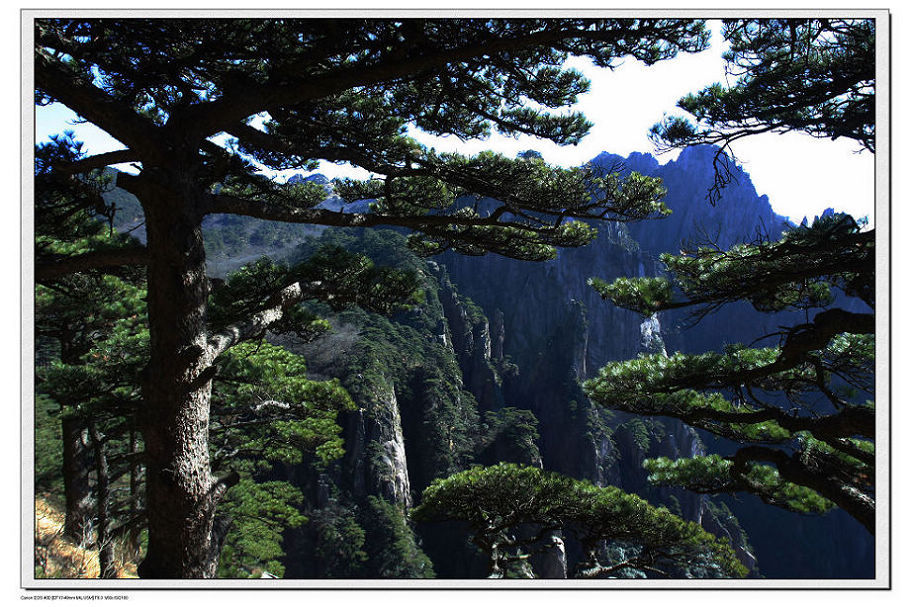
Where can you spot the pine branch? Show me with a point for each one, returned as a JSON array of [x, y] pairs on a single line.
[[224, 203], [273, 311], [55, 268], [98, 161], [826, 482], [204, 120], [92, 103]]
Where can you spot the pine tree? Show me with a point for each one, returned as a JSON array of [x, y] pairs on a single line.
[[514, 511], [266, 411], [93, 342], [801, 408], [76, 318], [289, 93]]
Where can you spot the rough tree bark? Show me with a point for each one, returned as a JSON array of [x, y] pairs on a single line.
[[181, 492]]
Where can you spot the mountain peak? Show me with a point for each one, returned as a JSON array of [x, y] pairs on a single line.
[[642, 162], [315, 178], [698, 154]]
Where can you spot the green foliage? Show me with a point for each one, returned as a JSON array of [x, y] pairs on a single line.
[[64, 204], [640, 432], [489, 496], [392, 548], [509, 431], [259, 513], [510, 241], [427, 385], [811, 75], [673, 505], [803, 394], [384, 247], [512, 508], [655, 385], [823, 369], [263, 406], [267, 409], [92, 343], [443, 414], [798, 271], [48, 446], [715, 473], [331, 275], [520, 89], [105, 380], [73, 312], [833, 251], [301, 194], [95, 340], [340, 90], [358, 538], [647, 294], [400, 355], [339, 541], [727, 521]]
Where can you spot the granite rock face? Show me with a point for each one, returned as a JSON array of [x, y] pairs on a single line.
[[472, 343], [375, 460]]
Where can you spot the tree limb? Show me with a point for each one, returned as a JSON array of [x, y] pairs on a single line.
[[98, 161], [92, 103], [53, 269], [257, 324], [791, 467], [207, 119], [224, 203]]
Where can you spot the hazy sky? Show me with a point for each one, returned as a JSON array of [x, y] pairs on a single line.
[[801, 175]]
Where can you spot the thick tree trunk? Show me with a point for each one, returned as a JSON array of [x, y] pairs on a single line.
[[76, 488], [181, 493]]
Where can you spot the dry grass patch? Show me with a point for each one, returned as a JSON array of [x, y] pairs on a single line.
[[57, 556]]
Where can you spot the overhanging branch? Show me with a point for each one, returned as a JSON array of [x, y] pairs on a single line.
[[258, 323], [92, 103], [53, 269], [210, 118], [98, 161], [224, 203], [827, 483]]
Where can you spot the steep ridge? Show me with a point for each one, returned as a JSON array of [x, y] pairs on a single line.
[[427, 386]]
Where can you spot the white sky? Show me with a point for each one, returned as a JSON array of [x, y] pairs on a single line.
[[801, 175]]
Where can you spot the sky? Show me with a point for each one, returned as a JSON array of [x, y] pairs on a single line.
[[801, 175]]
